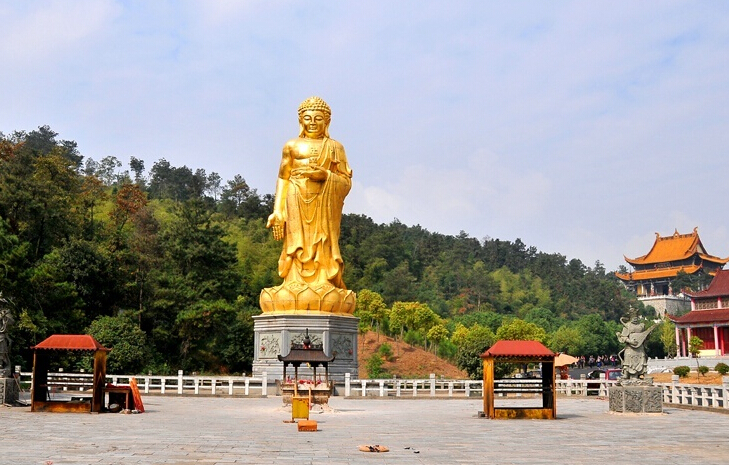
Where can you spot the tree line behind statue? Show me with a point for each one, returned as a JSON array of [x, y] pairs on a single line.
[[166, 266]]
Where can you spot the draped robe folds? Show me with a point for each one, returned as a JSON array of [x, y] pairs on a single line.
[[635, 362], [310, 252]]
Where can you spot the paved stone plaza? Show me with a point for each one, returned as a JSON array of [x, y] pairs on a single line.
[[209, 430]]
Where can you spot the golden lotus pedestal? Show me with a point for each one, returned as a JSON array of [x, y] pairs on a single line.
[[298, 297]]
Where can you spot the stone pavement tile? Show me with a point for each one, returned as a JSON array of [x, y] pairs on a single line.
[[189, 430]]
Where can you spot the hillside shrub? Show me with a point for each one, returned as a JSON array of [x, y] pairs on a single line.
[[722, 368], [682, 371], [703, 369], [385, 351], [375, 367]]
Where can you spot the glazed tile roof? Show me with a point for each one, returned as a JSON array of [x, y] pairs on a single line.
[[719, 286], [306, 356], [70, 342], [518, 349], [676, 247], [719, 315], [664, 272]]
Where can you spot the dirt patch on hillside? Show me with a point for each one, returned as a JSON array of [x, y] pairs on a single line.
[[406, 361]]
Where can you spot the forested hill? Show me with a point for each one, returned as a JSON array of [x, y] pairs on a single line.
[[166, 264]]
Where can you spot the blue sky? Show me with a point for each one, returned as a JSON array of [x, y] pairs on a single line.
[[579, 127]]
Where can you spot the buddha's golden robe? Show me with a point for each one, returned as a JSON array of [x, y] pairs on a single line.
[[311, 263], [313, 217]]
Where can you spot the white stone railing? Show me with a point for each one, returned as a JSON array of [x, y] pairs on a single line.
[[696, 395], [674, 393], [150, 384], [584, 387], [424, 387]]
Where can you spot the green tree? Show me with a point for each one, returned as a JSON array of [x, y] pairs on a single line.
[[599, 338], [695, 346], [668, 337], [412, 316], [567, 340], [372, 308], [476, 342], [203, 330], [129, 349], [519, 330], [436, 335]]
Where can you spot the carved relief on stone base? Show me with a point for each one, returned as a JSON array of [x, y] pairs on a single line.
[[636, 399], [270, 346]]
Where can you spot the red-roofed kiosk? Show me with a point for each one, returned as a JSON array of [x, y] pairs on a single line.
[[518, 352], [42, 354]]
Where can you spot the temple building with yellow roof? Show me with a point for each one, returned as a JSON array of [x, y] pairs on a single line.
[[653, 272]]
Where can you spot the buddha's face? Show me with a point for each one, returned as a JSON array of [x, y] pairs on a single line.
[[314, 123]]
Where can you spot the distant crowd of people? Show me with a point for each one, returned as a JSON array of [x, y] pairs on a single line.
[[599, 361]]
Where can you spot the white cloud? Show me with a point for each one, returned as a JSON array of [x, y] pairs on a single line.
[[44, 33]]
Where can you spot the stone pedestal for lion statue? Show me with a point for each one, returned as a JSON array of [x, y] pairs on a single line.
[[635, 393], [9, 392], [313, 179]]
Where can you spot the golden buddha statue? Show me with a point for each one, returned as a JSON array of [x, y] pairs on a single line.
[[313, 180]]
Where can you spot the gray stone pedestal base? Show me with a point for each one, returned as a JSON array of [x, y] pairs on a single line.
[[8, 391], [636, 399], [275, 333]]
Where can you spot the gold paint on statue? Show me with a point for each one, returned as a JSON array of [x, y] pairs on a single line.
[[313, 180]]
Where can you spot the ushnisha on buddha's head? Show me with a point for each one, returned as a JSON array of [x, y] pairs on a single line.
[[314, 118]]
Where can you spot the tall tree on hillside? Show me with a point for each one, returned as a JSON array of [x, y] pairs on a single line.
[[196, 287], [598, 337], [474, 343], [39, 192], [568, 340], [137, 167], [372, 308], [519, 330]]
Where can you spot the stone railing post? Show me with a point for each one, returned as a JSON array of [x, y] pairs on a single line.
[[675, 398], [468, 388], [264, 384], [725, 388], [432, 385], [382, 388], [179, 381], [364, 387], [347, 385], [398, 386], [450, 388]]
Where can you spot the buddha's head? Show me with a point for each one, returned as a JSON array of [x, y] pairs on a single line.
[[314, 118]]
